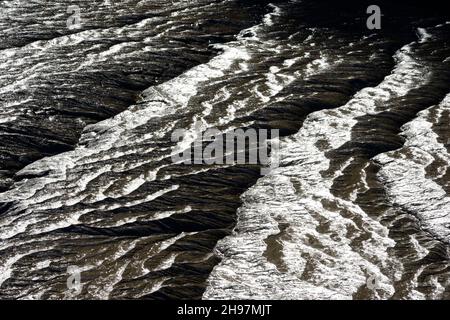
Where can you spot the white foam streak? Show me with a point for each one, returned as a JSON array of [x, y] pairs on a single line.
[[406, 179], [316, 230]]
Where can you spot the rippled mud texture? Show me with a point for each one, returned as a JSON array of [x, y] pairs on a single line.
[[87, 177]]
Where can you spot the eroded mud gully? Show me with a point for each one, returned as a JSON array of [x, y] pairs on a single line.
[[88, 178]]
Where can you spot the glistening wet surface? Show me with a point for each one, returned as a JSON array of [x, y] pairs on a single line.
[[87, 176]]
